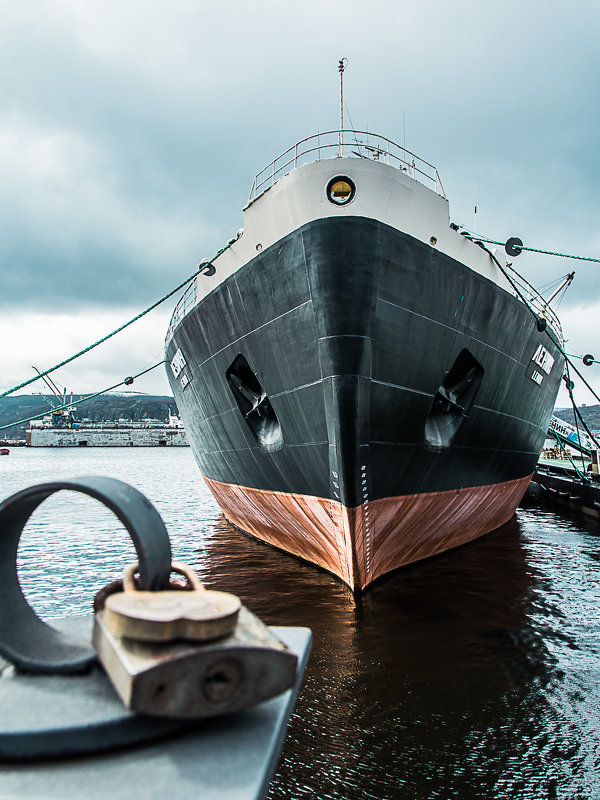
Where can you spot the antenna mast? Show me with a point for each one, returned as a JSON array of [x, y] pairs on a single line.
[[343, 63], [564, 284]]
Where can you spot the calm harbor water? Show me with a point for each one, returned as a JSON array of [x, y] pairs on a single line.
[[472, 675]]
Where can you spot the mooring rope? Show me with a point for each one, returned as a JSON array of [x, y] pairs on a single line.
[[125, 382], [591, 361], [583, 477], [536, 250], [577, 413], [538, 320], [570, 390], [198, 271]]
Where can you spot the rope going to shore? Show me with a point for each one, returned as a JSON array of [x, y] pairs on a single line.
[[580, 474], [589, 362], [198, 271], [536, 250], [538, 320], [577, 413], [569, 384], [567, 378], [125, 382]]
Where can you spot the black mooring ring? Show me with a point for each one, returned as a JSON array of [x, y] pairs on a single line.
[[25, 639]]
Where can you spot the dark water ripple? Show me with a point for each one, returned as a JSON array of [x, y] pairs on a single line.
[[472, 675]]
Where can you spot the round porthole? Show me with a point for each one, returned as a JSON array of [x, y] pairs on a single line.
[[341, 190]]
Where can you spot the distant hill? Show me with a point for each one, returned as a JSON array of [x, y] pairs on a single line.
[[107, 407], [111, 407], [591, 415]]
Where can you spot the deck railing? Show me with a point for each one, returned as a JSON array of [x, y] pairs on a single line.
[[520, 286], [357, 144], [185, 303], [361, 144]]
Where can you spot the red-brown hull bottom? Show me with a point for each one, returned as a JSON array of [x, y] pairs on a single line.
[[360, 544]]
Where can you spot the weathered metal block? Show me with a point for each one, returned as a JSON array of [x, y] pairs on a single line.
[[190, 680]]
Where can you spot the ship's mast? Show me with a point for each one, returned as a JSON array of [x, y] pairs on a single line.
[[343, 63], [566, 282]]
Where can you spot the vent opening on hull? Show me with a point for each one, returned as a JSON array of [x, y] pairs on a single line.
[[254, 404], [453, 401]]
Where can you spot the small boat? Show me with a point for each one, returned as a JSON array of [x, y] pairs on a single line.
[[4, 451]]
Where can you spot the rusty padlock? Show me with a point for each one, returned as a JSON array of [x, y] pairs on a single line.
[[188, 654], [197, 615]]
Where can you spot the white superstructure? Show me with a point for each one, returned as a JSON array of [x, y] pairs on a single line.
[[393, 186]]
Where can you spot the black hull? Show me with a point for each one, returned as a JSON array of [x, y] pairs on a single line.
[[351, 328]]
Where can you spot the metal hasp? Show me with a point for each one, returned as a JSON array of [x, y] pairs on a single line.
[[50, 722], [228, 758], [25, 640], [187, 654], [188, 680]]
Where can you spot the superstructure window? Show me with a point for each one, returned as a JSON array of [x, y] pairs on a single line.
[[341, 190]]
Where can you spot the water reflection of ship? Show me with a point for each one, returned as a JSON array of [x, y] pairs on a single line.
[[442, 655]]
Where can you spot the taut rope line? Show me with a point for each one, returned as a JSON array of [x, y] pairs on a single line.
[[125, 382], [202, 267]]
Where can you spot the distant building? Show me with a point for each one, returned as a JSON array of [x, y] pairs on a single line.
[[58, 431]]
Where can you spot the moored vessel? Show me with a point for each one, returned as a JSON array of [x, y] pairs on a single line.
[[362, 385]]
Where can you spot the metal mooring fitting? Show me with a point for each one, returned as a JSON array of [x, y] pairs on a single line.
[[26, 640]]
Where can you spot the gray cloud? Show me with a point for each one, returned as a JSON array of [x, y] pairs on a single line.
[[130, 134]]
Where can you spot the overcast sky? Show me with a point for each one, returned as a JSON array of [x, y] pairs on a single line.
[[130, 133]]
